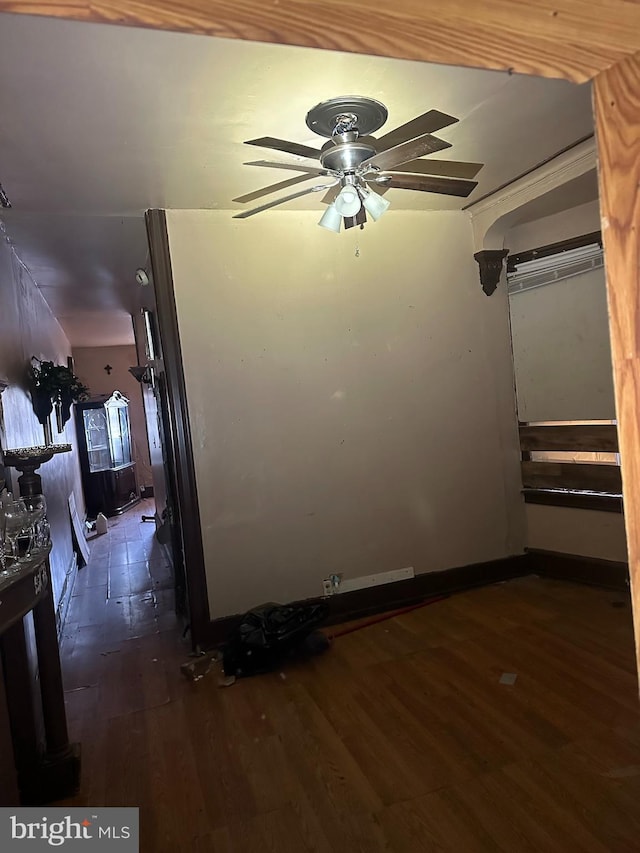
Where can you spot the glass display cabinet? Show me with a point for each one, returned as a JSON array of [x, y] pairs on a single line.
[[108, 470]]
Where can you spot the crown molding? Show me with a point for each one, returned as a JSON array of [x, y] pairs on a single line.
[[493, 216]]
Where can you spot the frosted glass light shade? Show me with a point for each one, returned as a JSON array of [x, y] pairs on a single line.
[[348, 202], [375, 205], [331, 219]]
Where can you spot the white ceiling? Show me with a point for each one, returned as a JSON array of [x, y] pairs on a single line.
[[99, 123]]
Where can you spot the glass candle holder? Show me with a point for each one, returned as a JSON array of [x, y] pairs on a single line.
[[36, 507], [16, 519]]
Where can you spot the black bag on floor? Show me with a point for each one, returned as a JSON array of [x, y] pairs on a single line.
[[270, 633]]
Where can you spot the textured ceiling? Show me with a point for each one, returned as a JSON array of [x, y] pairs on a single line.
[[99, 123]]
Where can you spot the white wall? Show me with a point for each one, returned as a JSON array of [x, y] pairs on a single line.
[[561, 350], [573, 222], [568, 530], [560, 332], [350, 396]]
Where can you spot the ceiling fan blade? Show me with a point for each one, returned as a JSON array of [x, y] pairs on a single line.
[[284, 145], [294, 167], [380, 189], [290, 197], [273, 188], [359, 219], [427, 123], [427, 184], [330, 196], [406, 151], [449, 168]]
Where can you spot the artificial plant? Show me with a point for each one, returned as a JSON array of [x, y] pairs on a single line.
[[54, 385]]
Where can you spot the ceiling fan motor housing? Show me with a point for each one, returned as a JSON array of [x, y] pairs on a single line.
[[346, 156]]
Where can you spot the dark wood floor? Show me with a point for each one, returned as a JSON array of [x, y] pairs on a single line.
[[400, 738]]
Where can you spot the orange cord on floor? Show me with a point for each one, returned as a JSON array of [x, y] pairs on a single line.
[[384, 616]]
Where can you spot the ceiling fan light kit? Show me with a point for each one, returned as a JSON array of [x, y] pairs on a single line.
[[348, 202], [355, 161], [375, 204], [331, 219], [352, 204]]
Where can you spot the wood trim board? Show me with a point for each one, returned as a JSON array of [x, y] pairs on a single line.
[[571, 475], [617, 111], [553, 249], [573, 39], [577, 437], [577, 500], [594, 571], [182, 448]]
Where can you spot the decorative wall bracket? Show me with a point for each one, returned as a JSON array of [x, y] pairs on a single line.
[[142, 373], [490, 262]]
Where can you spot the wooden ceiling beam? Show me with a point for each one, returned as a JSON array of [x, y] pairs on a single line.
[[574, 39], [617, 109]]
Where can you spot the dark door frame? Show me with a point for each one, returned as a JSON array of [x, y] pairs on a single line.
[[177, 426]]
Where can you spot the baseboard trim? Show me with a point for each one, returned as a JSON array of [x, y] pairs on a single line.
[[378, 599], [62, 607], [593, 571]]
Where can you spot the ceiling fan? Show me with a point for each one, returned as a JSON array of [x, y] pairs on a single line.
[[359, 168]]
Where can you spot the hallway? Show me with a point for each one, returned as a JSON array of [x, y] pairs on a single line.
[[401, 738], [120, 650]]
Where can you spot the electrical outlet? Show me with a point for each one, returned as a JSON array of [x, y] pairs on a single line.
[[331, 585]]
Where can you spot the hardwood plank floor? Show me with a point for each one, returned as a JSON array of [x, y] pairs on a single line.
[[400, 738]]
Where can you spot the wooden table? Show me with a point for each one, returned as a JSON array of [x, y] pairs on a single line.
[[37, 762]]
